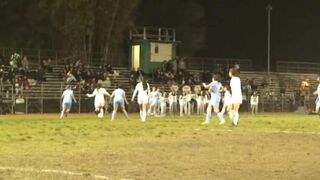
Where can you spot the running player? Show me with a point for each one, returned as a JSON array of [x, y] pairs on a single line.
[[143, 90], [227, 104], [215, 88], [119, 98], [99, 101], [236, 95], [67, 97]]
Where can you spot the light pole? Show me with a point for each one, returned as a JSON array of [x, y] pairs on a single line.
[[269, 8]]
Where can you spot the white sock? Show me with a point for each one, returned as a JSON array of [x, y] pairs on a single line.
[[101, 112], [61, 116], [236, 118], [231, 114], [209, 114], [222, 111], [113, 115], [144, 116], [141, 114]]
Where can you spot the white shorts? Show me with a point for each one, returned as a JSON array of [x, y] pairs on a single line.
[[236, 99], [99, 104], [143, 99]]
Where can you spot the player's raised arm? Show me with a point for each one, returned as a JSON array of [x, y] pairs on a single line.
[[205, 85]]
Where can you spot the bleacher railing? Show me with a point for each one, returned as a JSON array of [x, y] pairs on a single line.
[[298, 67], [210, 64], [58, 57], [152, 33]]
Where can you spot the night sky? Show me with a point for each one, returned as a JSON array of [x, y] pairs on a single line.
[[238, 29]]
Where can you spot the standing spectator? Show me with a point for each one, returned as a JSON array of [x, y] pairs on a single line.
[[182, 65], [70, 78], [25, 64], [109, 68], [237, 66]]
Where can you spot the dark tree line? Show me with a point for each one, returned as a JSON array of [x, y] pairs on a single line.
[[80, 26], [87, 26]]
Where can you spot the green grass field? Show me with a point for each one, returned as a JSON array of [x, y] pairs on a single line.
[[268, 146]]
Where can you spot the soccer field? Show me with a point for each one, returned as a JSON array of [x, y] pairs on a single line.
[[266, 146]]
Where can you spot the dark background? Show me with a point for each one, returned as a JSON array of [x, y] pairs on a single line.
[[213, 28]]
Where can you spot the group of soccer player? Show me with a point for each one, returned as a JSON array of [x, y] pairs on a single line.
[[155, 103]]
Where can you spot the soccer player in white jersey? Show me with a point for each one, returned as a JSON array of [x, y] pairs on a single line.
[[119, 98], [200, 103], [154, 101], [183, 104], [163, 104], [236, 95], [254, 103], [99, 101], [227, 103], [318, 98], [67, 97], [143, 90], [215, 88], [173, 101]]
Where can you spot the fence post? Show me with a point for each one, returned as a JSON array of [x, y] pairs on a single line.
[[144, 33], [159, 34], [79, 99], [41, 98], [56, 57], [26, 104], [12, 99], [39, 57]]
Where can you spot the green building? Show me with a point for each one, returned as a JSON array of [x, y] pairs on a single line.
[[150, 47]]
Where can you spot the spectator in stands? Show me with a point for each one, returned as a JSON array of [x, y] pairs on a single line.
[[133, 79], [182, 64], [174, 65], [237, 66], [25, 63], [40, 75], [70, 78], [18, 86], [109, 69], [2, 61], [25, 83]]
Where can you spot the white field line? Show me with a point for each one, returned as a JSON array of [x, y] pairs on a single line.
[[284, 132], [70, 173]]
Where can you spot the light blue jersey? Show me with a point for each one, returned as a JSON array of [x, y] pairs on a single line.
[[155, 98], [67, 98], [215, 93], [119, 95]]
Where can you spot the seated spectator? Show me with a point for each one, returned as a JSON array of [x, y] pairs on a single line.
[[109, 68], [106, 82], [182, 64], [25, 63], [25, 83]]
